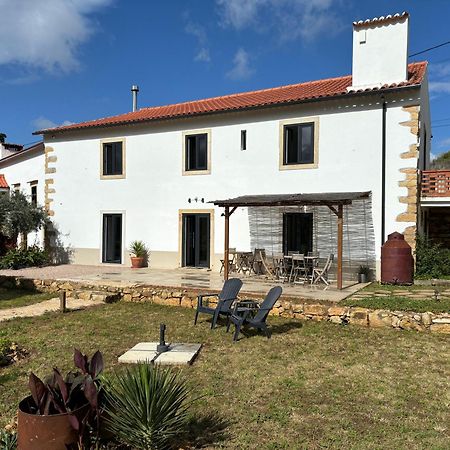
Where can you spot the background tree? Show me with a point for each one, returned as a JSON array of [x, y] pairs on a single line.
[[441, 162], [18, 216], [2, 138]]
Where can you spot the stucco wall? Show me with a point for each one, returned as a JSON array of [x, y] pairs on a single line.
[[23, 170], [154, 189]]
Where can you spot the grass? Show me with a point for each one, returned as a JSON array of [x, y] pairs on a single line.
[[399, 303], [396, 301], [312, 386], [16, 298]]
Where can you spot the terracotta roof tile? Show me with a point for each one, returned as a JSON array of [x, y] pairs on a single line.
[[381, 20], [295, 93], [3, 183]]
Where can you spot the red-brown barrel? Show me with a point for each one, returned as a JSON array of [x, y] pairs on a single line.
[[397, 264]]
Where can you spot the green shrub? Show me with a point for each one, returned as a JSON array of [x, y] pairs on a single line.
[[5, 350], [432, 260], [138, 249], [8, 440], [20, 258], [146, 406]]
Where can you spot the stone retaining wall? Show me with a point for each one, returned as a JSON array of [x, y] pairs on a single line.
[[303, 309]]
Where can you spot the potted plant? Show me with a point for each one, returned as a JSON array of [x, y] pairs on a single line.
[[139, 254], [364, 274], [60, 411]]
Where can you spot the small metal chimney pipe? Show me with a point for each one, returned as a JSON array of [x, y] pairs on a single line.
[[134, 92]]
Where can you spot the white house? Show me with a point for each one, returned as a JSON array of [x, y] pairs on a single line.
[[24, 170], [151, 174]]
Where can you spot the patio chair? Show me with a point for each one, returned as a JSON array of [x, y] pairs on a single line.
[[299, 271], [321, 273], [226, 297], [231, 261], [242, 314]]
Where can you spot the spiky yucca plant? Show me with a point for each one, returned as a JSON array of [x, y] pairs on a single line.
[[146, 406]]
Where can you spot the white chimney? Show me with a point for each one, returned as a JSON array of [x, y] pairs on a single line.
[[380, 51]]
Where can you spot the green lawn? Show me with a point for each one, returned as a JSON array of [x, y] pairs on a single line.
[[397, 299], [312, 386], [17, 298]]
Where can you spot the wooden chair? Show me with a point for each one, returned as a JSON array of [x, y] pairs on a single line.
[[321, 274], [231, 261], [299, 270]]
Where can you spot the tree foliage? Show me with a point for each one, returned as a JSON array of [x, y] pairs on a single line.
[[19, 216]]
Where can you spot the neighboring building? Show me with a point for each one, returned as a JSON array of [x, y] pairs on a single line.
[[150, 174], [24, 170], [7, 149], [4, 187]]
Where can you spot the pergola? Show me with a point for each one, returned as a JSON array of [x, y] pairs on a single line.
[[335, 201]]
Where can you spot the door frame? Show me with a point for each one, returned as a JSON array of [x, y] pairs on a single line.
[[112, 211], [286, 213], [211, 233]]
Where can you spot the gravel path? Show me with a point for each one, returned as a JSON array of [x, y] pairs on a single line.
[[38, 309]]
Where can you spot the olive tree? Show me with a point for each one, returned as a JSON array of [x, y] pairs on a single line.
[[18, 216]]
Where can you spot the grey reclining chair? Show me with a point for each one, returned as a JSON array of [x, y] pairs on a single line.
[[226, 298], [242, 315]]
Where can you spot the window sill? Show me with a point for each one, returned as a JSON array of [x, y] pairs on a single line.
[[112, 177], [197, 172], [299, 166]]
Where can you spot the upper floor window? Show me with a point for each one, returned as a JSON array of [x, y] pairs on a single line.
[[34, 194], [113, 160], [196, 153], [299, 143]]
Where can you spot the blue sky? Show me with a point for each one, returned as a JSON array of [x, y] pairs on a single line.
[[65, 61]]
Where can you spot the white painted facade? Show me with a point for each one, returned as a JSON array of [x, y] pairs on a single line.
[[154, 189], [23, 170]]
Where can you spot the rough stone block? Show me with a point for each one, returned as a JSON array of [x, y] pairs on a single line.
[[337, 311], [359, 316], [440, 328], [315, 310], [380, 318]]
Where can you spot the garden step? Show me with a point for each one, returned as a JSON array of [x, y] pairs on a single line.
[[88, 295]]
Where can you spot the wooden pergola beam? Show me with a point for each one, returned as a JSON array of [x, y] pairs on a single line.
[[226, 253]]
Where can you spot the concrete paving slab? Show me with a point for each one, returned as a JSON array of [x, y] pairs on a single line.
[[179, 354]]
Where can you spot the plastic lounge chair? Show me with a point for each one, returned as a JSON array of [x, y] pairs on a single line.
[[226, 298], [242, 313]]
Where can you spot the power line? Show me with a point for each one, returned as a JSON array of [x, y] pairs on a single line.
[[440, 126], [428, 49]]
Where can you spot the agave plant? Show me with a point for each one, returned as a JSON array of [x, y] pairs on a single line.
[[138, 249], [8, 440], [146, 406]]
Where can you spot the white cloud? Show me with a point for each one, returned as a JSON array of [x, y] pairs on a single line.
[[203, 55], [444, 142], [42, 123], [199, 33], [439, 87], [290, 19], [46, 34], [440, 69], [241, 66]]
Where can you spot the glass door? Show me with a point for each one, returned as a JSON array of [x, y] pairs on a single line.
[[112, 238], [297, 233], [196, 240]]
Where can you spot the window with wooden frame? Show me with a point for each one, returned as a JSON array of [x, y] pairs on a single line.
[[197, 152], [112, 159], [299, 143], [34, 193]]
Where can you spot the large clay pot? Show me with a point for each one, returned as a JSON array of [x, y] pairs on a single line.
[[137, 263], [54, 432]]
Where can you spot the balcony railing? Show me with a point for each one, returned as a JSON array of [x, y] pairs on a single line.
[[436, 183]]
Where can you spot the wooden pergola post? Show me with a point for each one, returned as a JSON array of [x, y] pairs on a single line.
[[226, 253], [340, 240]]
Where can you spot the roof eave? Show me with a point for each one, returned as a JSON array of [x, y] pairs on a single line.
[[350, 94]]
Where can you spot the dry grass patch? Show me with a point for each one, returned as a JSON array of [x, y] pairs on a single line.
[[313, 385]]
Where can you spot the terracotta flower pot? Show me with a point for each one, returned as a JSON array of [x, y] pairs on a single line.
[[137, 263], [54, 432]]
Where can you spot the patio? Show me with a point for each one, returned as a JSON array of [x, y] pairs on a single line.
[[183, 278]]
